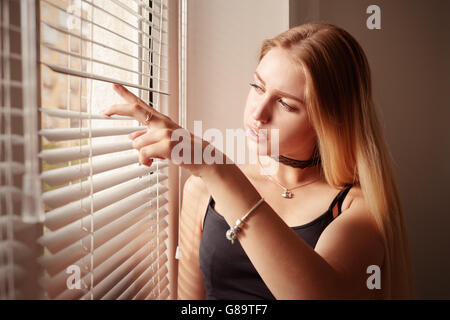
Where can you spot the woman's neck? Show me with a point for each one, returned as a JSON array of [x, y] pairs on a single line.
[[287, 175]]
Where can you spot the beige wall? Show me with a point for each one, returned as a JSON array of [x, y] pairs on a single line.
[[224, 38], [410, 66], [223, 42]]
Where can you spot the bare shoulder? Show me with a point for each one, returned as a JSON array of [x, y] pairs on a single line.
[[195, 184], [195, 198], [355, 193], [353, 242], [355, 220]]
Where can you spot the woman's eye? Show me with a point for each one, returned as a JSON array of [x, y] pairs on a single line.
[[282, 103], [256, 87], [286, 106]]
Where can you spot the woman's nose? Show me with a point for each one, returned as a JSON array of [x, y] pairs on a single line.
[[261, 111]]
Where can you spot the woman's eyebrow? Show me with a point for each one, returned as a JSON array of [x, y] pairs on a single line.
[[287, 95]]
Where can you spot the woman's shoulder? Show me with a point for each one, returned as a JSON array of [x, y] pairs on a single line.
[[356, 215], [195, 197], [195, 190], [194, 184], [354, 195]]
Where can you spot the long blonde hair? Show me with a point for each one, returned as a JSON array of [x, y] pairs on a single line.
[[349, 136]]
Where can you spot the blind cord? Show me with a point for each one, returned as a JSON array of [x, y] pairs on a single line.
[[182, 35], [90, 158]]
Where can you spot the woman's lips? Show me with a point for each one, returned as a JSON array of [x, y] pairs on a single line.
[[256, 135]]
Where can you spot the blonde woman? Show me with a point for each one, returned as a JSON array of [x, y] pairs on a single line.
[[328, 219]]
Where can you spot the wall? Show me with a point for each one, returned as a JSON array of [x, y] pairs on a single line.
[[223, 43], [224, 38]]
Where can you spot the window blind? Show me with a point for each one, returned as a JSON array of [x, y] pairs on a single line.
[[105, 214], [20, 205]]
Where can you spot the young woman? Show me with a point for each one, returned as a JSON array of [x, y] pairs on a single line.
[[328, 218]]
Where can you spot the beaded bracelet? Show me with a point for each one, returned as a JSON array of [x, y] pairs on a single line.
[[232, 233]]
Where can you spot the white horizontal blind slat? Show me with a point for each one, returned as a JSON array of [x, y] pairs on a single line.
[[73, 211], [87, 75], [10, 27], [12, 83], [13, 167], [14, 192], [64, 195], [63, 175], [15, 222], [58, 155], [71, 114], [16, 112], [10, 55], [83, 133], [13, 138], [20, 250]]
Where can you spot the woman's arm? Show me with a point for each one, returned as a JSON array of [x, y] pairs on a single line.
[[290, 268], [195, 201]]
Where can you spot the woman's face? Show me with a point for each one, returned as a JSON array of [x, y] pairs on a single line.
[[276, 101]]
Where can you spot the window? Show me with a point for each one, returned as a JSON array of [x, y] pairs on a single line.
[[102, 230]]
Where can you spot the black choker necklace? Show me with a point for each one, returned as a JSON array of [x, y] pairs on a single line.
[[298, 163]]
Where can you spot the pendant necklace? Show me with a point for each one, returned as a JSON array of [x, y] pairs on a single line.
[[287, 192]]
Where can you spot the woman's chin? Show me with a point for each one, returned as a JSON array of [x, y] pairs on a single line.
[[252, 145]]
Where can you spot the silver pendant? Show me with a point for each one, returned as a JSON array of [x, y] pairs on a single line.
[[287, 194]]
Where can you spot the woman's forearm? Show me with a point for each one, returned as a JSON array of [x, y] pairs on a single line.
[[290, 268]]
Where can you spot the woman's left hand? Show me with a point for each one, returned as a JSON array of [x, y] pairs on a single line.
[[156, 141]]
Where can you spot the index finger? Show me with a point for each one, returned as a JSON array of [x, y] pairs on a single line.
[[126, 94]]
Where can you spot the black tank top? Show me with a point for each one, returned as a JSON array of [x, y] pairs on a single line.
[[227, 272]]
